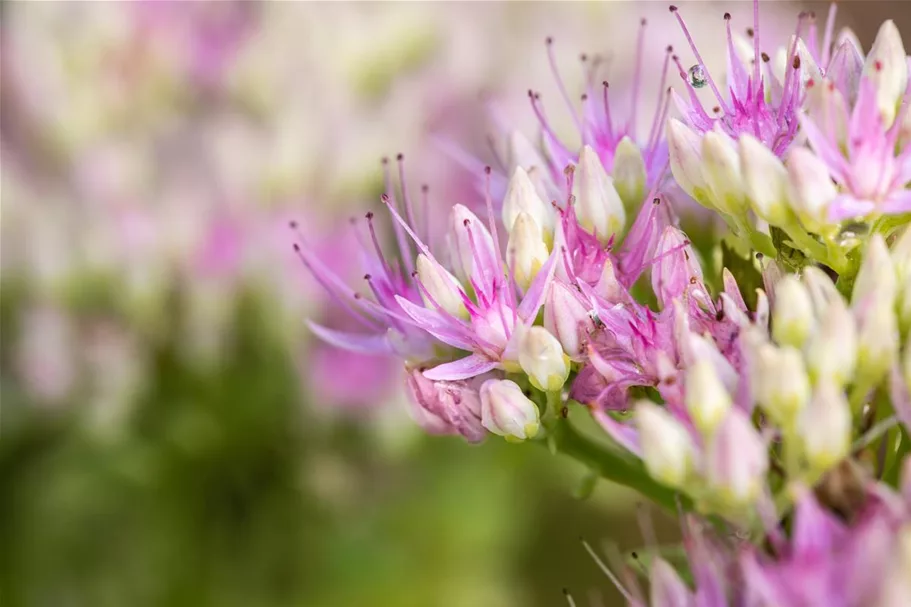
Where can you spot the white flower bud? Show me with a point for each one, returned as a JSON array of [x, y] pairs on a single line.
[[792, 315], [810, 188], [707, 399], [780, 383], [567, 318], [737, 462], [877, 340], [685, 151], [825, 428], [766, 181], [526, 250], [441, 286], [877, 275], [541, 356], [821, 289], [901, 258], [887, 66], [461, 222], [598, 205], [722, 172], [507, 412], [831, 352], [629, 173], [667, 448], [521, 197]]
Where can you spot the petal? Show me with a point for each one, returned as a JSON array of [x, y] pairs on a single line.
[[534, 296], [825, 149], [897, 203], [847, 206], [464, 368], [625, 435], [444, 327], [356, 342]]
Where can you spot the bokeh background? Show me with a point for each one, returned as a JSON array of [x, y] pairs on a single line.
[[170, 432]]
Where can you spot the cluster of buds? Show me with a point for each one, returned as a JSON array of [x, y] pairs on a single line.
[[822, 197], [740, 409]]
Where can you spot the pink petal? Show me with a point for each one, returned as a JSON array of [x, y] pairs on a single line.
[[356, 342], [828, 153], [897, 203], [626, 436], [901, 397], [464, 368], [848, 207], [443, 327], [534, 296]]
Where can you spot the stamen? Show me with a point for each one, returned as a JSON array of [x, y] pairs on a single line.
[[739, 75], [389, 200], [425, 213], [606, 570], [755, 36], [560, 86], [376, 245], [827, 38], [569, 598], [694, 99], [637, 78], [655, 137], [409, 211], [607, 116], [689, 39], [657, 120], [336, 289], [492, 222]]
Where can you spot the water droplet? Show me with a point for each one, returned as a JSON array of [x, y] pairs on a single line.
[[851, 232], [697, 76]]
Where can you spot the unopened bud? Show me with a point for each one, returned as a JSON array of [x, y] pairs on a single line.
[[521, 197], [737, 462], [766, 181], [598, 205], [527, 251], [877, 340], [541, 357], [442, 288], [780, 383], [877, 275], [792, 314], [722, 171], [825, 428], [901, 259], [567, 318], [609, 286], [707, 399], [667, 448], [887, 67], [685, 151], [810, 188], [831, 352], [469, 259], [507, 412], [629, 173]]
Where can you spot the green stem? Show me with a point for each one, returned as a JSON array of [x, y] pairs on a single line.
[[612, 463], [810, 247]]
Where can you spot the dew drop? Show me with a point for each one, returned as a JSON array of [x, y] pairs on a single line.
[[697, 76]]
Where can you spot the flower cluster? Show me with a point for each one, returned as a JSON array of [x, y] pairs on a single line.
[[578, 287]]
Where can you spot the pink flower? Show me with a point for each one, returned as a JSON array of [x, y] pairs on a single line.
[[755, 102], [866, 160]]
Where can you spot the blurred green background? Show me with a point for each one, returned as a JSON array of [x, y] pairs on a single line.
[[170, 434]]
